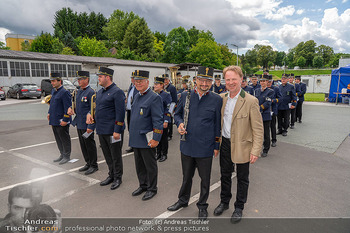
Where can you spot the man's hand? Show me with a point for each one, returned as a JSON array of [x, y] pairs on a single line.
[[63, 123], [89, 130], [165, 125], [216, 153], [253, 158], [292, 107], [89, 119], [153, 143], [70, 111], [48, 117], [181, 129], [116, 136]]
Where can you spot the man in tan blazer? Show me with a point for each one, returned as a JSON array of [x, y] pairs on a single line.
[[242, 139]]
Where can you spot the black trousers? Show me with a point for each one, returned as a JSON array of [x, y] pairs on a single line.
[[88, 148], [189, 165], [128, 114], [226, 169], [146, 168], [283, 120], [170, 127], [267, 139], [292, 116], [299, 111], [273, 128], [113, 155], [162, 148], [63, 141]]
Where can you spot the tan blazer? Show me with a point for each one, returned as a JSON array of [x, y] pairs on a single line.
[[247, 129]]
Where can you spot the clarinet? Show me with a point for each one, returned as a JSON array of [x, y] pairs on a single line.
[[186, 109]]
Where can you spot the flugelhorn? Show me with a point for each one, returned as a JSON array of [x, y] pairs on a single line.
[[46, 100], [93, 107]]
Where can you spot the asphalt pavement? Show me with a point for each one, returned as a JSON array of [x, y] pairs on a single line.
[[305, 176]]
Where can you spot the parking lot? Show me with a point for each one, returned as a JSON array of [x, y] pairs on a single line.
[[305, 176]]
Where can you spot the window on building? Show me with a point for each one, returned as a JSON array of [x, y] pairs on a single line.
[[19, 69], [40, 69], [3, 68], [72, 70], [59, 68]]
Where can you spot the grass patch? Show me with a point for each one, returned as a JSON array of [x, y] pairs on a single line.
[[278, 73], [314, 97]]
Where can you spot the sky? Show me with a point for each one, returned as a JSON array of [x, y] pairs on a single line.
[[281, 24]]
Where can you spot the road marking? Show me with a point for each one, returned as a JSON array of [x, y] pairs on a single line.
[[35, 145]]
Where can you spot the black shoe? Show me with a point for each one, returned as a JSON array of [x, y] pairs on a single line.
[[264, 154], [279, 132], [169, 138], [63, 161], [203, 214], [300, 121], [163, 158], [107, 181], [176, 206], [130, 150], [85, 168], [284, 133], [220, 209], [236, 216], [58, 159], [273, 144], [148, 195], [138, 191], [158, 156], [292, 126], [91, 170], [116, 183]]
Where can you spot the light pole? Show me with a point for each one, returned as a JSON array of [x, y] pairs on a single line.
[[237, 52]]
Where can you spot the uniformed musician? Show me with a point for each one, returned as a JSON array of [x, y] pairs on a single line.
[[58, 117], [162, 148], [202, 138], [184, 84], [274, 110], [218, 87], [85, 131], [246, 87], [265, 96], [297, 92], [254, 83], [285, 104], [300, 102], [146, 128], [109, 120], [172, 90]]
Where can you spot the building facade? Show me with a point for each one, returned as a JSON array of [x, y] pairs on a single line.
[[14, 41]]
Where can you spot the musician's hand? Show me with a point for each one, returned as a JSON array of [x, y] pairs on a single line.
[[63, 123], [165, 125], [216, 153], [116, 136], [89, 119], [89, 130], [292, 107], [48, 117], [153, 143], [181, 129], [70, 111]]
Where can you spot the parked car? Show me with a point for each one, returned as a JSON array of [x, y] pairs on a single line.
[[23, 90], [46, 86], [2, 94]]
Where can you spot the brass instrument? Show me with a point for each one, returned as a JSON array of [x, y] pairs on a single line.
[[93, 107], [46, 100], [74, 100], [175, 81]]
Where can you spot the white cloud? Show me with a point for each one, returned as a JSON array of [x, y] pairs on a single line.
[[328, 1], [281, 13], [333, 31], [252, 43], [3, 32], [344, 1], [300, 11]]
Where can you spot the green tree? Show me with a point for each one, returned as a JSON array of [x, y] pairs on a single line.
[[176, 46], [116, 26], [280, 56], [126, 54], [228, 58], [139, 38], [206, 53], [160, 36], [301, 62], [65, 20], [251, 57], [45, 43], [306, 50], [67, 51], [265, 55], [2, 46], [193, 36], [25, 45], [326, 52], [92, 47], [317, 62], [158, 48]]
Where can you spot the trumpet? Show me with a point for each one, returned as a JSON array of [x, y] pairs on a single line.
[[46, 100], [74, 100], [93, 107]]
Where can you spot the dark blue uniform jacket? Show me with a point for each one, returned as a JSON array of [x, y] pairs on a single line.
[[265, 100], [60, 101], [83, 107], [287, 96]]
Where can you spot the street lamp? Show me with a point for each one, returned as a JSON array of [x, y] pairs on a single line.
[[237, 52]]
